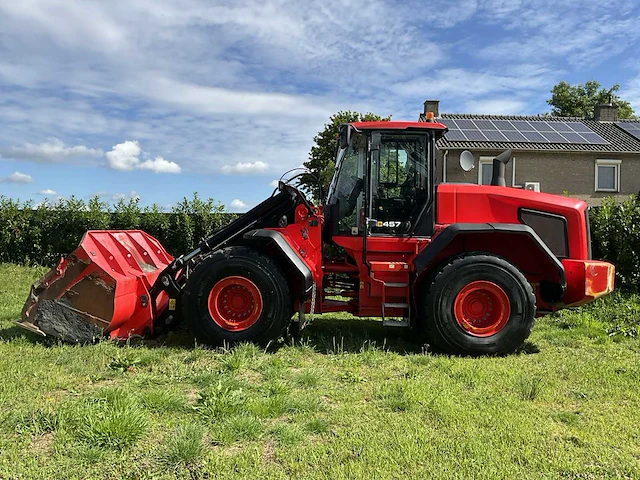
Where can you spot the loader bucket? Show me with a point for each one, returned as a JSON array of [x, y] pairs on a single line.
[[101, 288]]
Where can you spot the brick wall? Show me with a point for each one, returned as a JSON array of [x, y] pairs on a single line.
[[557, 172]]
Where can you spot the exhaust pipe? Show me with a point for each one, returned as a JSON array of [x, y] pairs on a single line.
[[499, 167]]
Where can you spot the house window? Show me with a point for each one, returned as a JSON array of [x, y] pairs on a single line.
[[485, 170], [608, 175]]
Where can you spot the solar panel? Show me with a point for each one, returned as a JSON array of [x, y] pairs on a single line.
[[514, 136], [553, 137], [573, 137], [534, 137], [632, 128], [485, 125], [504, 125], [541, 127], [495, 136], [527, 131], [455, 136], [591, 137], [475, 135], [522, 126], [560, 126], [579, 127], [464, 124]]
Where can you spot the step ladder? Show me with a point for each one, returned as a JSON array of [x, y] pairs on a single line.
[[392, 289]]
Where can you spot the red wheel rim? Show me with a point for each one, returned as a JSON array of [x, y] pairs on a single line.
[[482, 308], [235, 303]]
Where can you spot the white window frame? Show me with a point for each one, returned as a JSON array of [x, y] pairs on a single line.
[[607, 162], [483, 161]]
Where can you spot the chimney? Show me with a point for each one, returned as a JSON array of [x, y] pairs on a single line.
[[606, 113], [432, 106]]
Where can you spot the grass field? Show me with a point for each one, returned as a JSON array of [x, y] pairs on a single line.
[[352, 401]]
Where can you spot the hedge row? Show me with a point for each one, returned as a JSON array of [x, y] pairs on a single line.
[[41, 234], [615, 234]]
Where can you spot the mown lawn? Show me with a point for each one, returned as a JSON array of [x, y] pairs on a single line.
[[353, 401]]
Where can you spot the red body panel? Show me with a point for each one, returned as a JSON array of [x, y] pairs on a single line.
[[460, 203]]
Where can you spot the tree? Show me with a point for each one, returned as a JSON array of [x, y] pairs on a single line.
[[321, 157], [580, 100]]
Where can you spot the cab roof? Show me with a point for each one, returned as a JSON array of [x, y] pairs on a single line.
[[379, 125]]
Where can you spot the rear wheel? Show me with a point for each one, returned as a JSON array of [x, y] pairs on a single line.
[[235, 295], [478, 304]]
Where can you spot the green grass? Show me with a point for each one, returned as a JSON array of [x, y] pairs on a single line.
[[351, 401]]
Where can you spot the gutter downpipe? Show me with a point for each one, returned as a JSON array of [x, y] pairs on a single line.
[[444, 166]]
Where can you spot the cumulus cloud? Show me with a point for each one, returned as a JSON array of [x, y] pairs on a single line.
[[17, 177], [238, 205], [245, 168], [133, 195], [54, 150], [126, 156], [47, 191], [273, 183]]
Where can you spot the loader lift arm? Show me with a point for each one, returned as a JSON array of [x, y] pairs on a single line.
[[268, 213]]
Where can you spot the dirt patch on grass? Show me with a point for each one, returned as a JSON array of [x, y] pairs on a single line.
[[269, 452], [42, 443], [251, 376], [192, 397]]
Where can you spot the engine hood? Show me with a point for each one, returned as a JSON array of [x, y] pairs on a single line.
[[466, 203]]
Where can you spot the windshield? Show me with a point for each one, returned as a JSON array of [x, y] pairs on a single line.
[[347, 187], [346, 167]]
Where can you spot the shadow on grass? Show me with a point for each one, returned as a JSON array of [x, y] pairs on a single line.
[[13, 332], [325, 335], [353, 335]]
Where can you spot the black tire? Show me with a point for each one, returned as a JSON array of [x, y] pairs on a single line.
[[262, 272], [463, 289]]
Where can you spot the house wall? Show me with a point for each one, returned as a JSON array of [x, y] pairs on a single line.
[[557, 172]]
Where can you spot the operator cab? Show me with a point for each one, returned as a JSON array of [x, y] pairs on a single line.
[[383, 179]]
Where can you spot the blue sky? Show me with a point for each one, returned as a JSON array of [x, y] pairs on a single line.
[[160, 98]]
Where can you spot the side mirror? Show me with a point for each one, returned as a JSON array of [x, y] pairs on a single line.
[[345, 135], [467, 162]]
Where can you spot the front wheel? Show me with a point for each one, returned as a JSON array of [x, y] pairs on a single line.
[[235, 295], [478, 304]]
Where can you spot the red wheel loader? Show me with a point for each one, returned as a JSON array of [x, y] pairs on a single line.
[[467, 266]]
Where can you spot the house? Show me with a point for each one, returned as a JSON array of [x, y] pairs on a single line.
[[587, 159]]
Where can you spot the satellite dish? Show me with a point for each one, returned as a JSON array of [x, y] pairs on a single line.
[[466, 161]]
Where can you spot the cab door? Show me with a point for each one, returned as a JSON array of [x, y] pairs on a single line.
[[399, 222], [399, 188]]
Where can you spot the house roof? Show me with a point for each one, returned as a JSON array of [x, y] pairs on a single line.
[[619, 140]]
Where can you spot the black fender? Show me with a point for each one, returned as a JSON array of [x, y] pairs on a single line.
[[551, 290], [266, 236]]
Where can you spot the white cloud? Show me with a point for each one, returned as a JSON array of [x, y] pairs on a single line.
[[160, 165], [238, 205], [17, 177], [631, 92], [497, 106], [54, 150], [47, 191], [133, 195], [125, 156], [273, 183], [456, 83], [245, 168]]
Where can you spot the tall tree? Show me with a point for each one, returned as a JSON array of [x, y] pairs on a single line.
[[580, 100], [321, 157]]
